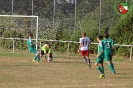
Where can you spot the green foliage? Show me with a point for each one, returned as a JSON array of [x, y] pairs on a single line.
[[8, 44], [120, 34], [65, 27], [123, 51]]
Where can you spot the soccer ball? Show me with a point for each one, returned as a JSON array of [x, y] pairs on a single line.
[[49, 59]]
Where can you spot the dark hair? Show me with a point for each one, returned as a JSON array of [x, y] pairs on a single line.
[[106, 35], [48, 45], [84, 33], [30, 34], [99, 36]]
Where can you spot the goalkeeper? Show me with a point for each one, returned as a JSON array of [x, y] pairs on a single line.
[[46, 50]]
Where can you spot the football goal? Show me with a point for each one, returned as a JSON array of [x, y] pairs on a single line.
[[18, 26]]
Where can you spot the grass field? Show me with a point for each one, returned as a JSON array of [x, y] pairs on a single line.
[[18, 71]]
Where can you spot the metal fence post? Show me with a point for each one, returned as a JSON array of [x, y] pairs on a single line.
[[131, 53], [54, 49], [68, 49], [13, 46], [40, 46]]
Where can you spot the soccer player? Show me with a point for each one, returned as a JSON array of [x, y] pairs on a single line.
[[32, 49], [108, 49], [83, 48], [100, 57], [46, 49]]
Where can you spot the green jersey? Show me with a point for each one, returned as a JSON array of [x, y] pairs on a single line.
[[101, 56], [46, 49], [100, 47], [29, 43], [107, 44]]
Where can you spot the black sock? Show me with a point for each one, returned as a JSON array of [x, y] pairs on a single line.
[[88, 60]]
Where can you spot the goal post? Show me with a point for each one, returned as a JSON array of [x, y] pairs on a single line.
[[19, 23]]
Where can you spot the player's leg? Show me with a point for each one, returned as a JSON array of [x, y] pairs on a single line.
[[102, 68], [87, 56], [47, 59], [51, 56], [38, 56], [83, 55], [101, 62], [99, 65], [42, 54], [110, 64], [34, 52], [88, 59]]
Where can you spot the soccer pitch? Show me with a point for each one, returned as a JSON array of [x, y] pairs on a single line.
[[18, 71]]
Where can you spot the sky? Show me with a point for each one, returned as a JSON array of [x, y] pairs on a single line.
[[70, 0]]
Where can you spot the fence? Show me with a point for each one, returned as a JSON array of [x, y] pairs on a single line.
[[67, 53]]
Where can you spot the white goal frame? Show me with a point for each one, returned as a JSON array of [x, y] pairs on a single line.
[[37, 18]]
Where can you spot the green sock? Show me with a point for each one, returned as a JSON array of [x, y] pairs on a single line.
[[35, 57], [99, 69], [111, 66], [102, 68], [38, 58]]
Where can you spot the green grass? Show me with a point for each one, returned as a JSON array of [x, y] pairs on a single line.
[[18, 71], [14, 54]]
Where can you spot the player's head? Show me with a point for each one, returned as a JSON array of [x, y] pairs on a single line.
[[30, 35], [83, 34], [106, 35], [48, 45], [99, 37]]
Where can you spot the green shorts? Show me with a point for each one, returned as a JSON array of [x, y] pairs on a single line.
[[100, 59], [108, 57], [34, 51]]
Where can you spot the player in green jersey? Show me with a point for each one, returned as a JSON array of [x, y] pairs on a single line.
[[108, 49], [100, 57], [47, 50], [32, 49]]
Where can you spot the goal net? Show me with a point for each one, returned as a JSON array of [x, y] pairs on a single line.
[[17, 26]]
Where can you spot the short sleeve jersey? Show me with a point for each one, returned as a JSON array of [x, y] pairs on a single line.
[[44, 48], [84, 41], [107, 46], [29, 43]]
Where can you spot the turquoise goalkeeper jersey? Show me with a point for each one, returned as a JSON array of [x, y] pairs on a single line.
[[107, 44]]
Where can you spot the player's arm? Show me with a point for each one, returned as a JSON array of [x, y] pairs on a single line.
[[99, 53], [49, 52], [44, 49], [80, 45], [32, 44], [89, 41], [113, 48], [101, 50]]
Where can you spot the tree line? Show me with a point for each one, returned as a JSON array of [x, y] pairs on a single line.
[[87, 19]]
